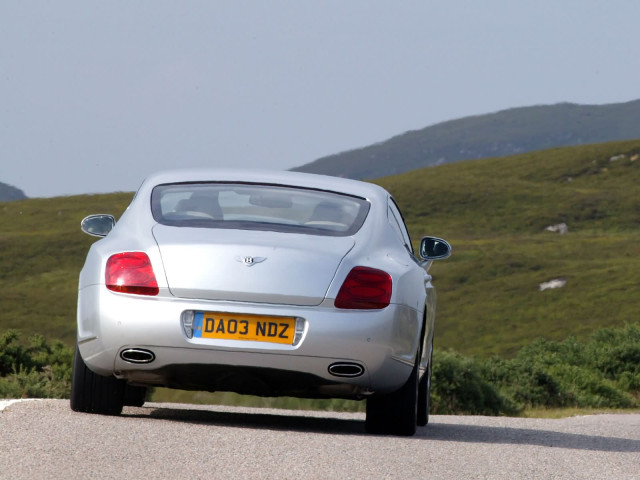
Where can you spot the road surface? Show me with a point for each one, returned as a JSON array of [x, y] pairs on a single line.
[[45, 439]]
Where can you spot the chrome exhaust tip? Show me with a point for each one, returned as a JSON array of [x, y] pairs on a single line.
[[137, 355], [346, 369]]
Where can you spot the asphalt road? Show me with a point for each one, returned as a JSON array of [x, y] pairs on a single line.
[[44, 439]]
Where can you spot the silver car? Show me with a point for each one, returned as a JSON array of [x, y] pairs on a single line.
[[260, 283]]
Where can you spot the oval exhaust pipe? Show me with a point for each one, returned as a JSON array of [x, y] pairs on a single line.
[[346, 369], [137, 355]]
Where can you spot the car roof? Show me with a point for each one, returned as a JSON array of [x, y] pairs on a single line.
[[307, 180]]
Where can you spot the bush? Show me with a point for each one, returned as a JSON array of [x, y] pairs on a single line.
[[601, 373], [459, 386], [35, 370], [524, 383]]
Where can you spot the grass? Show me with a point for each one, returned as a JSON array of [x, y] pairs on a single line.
[[42, 253], [556, 413], [495, 211]]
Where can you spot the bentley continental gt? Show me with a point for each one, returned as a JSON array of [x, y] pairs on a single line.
[[261, 283]]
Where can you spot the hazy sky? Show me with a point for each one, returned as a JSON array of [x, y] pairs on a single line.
[[95, 95]]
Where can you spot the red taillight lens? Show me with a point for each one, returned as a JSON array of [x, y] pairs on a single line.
[[131, 272], [366, 288]]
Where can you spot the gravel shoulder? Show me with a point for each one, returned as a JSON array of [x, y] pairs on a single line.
[[45, 439]]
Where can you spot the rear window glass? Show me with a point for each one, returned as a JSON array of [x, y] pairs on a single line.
[[258, 207]]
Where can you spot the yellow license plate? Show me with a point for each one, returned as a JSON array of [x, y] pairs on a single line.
[[256, 328]]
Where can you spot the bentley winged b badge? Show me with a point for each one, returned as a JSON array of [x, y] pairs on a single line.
[[250, 261]]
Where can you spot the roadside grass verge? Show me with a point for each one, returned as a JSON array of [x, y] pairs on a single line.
[[556, 413]]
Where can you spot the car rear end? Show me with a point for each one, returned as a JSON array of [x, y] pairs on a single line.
[[257, 288]]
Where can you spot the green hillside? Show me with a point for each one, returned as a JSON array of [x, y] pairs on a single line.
[[494, 212], [508, 132], [42, 252]]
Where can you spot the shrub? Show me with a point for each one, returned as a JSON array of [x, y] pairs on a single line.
[[460, 387], [38, 369], [524, 383], [601, 373]]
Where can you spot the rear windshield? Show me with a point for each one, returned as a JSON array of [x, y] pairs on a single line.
[[258, 207]]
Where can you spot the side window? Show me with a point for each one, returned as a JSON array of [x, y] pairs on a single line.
[[397, 223]]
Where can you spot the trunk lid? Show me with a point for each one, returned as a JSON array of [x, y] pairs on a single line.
[[249, 266]]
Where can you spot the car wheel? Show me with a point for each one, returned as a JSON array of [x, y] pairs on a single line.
[[424, 395], [395, 413], [134, 396], [93, 393]]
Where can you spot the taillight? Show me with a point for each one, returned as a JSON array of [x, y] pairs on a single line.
[[365, 288], [131, 272]]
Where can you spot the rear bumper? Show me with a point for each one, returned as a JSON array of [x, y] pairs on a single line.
[[383, 342]]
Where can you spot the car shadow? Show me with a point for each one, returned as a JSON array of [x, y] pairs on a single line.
[[254, 419], [348, 426]]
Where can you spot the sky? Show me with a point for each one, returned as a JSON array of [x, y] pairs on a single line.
[[96, 95]]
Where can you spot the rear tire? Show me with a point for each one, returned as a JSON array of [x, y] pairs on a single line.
[[424, 395], [93, 393], [395, 413], [134, 396]]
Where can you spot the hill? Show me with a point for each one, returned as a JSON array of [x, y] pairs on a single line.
[[494, 211], [503, 133], [9, 193], [43, 251]]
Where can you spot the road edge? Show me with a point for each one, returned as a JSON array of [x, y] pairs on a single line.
[[7, 403]]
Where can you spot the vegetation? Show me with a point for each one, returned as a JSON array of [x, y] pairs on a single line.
[[35, 370], [503, 133], [42, 253], [603, 372], [495, 211], [490, 308]]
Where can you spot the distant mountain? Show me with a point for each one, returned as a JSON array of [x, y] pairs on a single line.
[[507, 132], [9, 193]]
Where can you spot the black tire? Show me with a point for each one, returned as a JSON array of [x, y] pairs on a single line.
[[134, 396], [395, 413], [424, 395], [93, 393]]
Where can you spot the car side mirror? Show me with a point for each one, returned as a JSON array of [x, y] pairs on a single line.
[[98, 225], [433, 248]]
